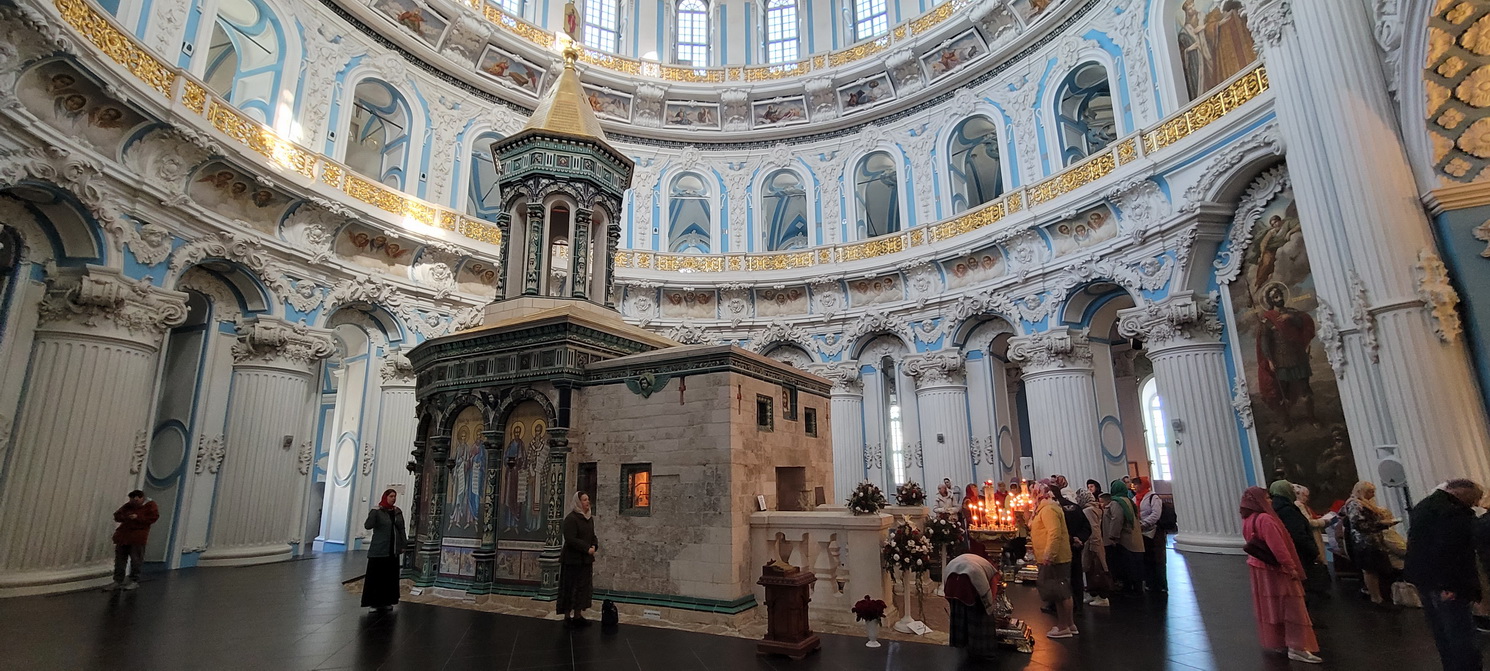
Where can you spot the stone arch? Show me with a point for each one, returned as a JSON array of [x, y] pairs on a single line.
[[1097, 299], [979, 332], [52, 224], [458, 403], [789, 353], [515, 397], [229, 287]]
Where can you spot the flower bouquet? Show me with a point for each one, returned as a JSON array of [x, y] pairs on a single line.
[[907, 549], [910, 494], [870, 612], [943, 532], [866, 499]]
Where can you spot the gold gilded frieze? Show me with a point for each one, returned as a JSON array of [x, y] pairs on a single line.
[[194, 96], [231, 123], [1207, 110], [115, 44], [859, 52]]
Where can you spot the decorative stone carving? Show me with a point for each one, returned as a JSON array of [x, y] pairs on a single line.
[[396, 368], [1265, 141], [242, 248], [225, 307], [827, 297], [388, 65], [466, 38], [25, 34], [831, 344], [734, 109], [138, 453], [267, 339], [466, 318], [1360, 311], [105, 297], [367, 459], [1330, 337], [326, 54], [73, 173], [1262, 191], [874, 456], [1241, 401], [1056, 349], [844, 375], [1482, 233], [1142, 205], [151, 245], [879, 321], [1438, 295], [822, 98], [1388, 31], [305, 458], [436, 270], [647, 106], [1268, 19], [366, 290], [166, 156], [210, 453], [1176, 320], [778, 332], [997, 21], [688, 334], [937, 369]]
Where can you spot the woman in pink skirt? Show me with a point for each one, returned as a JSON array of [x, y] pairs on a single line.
[[1277, 581]]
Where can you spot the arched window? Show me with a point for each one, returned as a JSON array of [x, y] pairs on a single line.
[[511, 7], [378, 133], [602, 29], [784, 210], [871, 19], [246, 57], [1156, 429], [975, 166], [877, 193], [689, 225], [1085, 120], [693, 33], [894, 427], [483, 200], [781, 31]]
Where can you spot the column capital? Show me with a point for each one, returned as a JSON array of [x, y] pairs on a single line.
[[1268, 20], [104, 300], [937, 369], [1178, 320], [274, 341], [843, 374], [396, 369], [1060, 348]]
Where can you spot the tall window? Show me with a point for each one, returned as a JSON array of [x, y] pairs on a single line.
[[781, 31], [894, 426], [511, 7], [602, 29], [784, 208], [1156, 429], [246, 57], [975, 167], [877, 193], [483, 201], [1084, 118], [689, 224], [693, 33], [378, 133], [871, 18]]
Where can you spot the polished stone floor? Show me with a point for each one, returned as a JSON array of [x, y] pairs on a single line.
[[296, 615]]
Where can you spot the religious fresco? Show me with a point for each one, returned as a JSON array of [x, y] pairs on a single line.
[[466, 481], [873, 291], [609, 104], [1087, 229], [1214, 42], [691, 115], [954, 54], [865, 93], [700, 304], [520, 486], [236, 195], [372, 248], [413, 17], [64, 99], [477, 277], [1295, 400], [976, 268], [781, 302], [778, 112], [511, 70], [458, 561]]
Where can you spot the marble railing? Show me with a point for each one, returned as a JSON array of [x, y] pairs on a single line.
[[843, 549]]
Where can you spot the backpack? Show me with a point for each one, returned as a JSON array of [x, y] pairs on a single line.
[[610, 616], [1167, 521]]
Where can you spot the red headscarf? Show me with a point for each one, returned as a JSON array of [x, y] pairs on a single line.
[[1256, 500], [386, 503], [1144, 485]]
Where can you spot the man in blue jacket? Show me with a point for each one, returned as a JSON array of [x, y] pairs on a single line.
[[1441, 563]]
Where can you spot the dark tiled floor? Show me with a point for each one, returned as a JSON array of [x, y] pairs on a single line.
[[296, 615]]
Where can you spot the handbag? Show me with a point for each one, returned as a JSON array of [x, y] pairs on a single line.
[[1258, 548]]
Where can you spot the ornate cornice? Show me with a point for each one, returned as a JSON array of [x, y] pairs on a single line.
[[1268, 20], [1178, 320], [396, 370], [276, 341], [938, 369], [104, 299], [844, 375], [1060, 348]]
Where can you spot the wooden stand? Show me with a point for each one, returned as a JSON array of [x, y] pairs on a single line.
[[788, 631]]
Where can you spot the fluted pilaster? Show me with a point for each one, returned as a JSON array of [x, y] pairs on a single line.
[[847, 423], [1058, 381], [396, 427], [82, 432], [941, 406], [256, 515], [1181, 335]]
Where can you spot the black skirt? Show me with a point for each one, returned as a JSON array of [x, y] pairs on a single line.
[[575, 582], [380, 585], [973, 628]]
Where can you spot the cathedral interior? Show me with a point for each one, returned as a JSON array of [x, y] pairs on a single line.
[[713, 263]]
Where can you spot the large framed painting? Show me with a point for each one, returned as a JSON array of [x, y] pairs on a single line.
[[609, 104], [1214, 42], [524, 460], [1295, 399], [865, 93], [689, 114], [784, 111], [413, 17], [511, 70], [953, 54], [466, 481]]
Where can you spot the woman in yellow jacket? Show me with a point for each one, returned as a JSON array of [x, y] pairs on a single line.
[[1053, 552]]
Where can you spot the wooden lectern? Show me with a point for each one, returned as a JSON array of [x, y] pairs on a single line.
[[788, 632]]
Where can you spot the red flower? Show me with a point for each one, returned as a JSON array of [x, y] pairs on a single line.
[[869, 609]]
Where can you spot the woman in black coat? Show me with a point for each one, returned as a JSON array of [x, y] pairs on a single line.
[[577, 562], [380, 585]]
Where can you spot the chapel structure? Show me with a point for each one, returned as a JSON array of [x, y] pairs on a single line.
[[264, 259]]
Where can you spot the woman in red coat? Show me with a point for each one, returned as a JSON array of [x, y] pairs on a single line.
[[1277, 581]]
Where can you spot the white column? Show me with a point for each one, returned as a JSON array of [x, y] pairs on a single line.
[[1182, 338], [983, 443], [875, 452], [396, 426], [255, 517], [82, 430], [1358, 201], [941, 402], [847, 424], [1058, 380]]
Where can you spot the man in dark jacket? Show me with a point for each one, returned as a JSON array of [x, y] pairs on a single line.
[[1441, 564], [134, 518]]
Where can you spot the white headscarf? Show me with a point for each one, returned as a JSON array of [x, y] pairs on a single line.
[[576, 507]]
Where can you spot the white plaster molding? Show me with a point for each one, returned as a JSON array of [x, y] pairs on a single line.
[[367, 459], [1241, 401], [151, 244], [1056, 349], [396, 368], [1267, 186], [305, 458], [844, 375], [1268, 21], [937, 369], [225, 307], [688, 334], [1438, 294], [105, 297], [139, 451], [1482, 233], [1330, 337], [271, 340], [1263, 141], [1180, 319], [781, 332], [1360, 310], [211, 450]]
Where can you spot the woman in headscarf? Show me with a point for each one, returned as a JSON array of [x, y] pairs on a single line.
[[1277, 581], [380, 585], [1093, 556], [1284, 500], [1127, 547], [577, 562], [1365, 538], [1053, 553], [1095, 488]]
